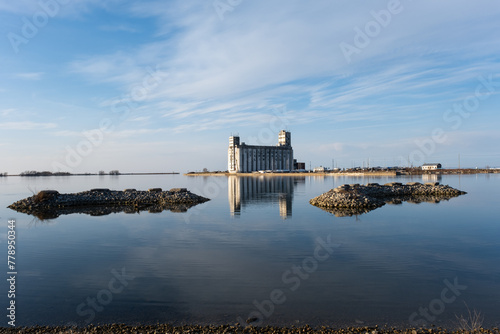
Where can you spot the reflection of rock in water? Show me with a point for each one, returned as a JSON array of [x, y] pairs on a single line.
[[350, 200], [249, 190], [49, 204]]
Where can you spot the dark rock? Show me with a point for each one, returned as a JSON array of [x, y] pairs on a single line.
[[45, 195], [178, 190]]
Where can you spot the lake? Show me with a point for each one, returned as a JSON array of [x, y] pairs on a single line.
[[257, 250]]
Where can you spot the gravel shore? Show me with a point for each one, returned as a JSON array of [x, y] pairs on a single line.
[[227, 329]]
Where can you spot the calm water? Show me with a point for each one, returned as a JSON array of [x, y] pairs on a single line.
[[257, 249]]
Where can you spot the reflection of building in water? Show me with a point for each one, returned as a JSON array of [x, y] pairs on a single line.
[[261, 190], [431, 178]]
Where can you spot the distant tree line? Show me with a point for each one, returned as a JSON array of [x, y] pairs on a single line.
[[3, 174], [44, 173], [112, 172], [47, 173]]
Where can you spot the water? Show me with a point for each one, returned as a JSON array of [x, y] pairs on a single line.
[[255, 250]]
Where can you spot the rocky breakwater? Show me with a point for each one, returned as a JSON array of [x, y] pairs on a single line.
[[49, 204], [355, 199]]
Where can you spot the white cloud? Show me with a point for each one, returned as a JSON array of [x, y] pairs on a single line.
[[30, 75], [26, 126], [258, 50], [6, 112], [66, 133], [141, 119], [71, 8]]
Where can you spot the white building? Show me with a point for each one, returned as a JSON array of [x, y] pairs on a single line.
[[320, 169], [244, 158], [431, 166]]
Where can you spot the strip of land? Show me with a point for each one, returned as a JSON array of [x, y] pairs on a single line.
[[351, 172], [237, 329]]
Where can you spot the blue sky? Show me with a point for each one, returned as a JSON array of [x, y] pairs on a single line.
[[154, 86]]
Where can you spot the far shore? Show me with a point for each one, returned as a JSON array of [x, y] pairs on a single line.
[[406, 172], [347, 172], [48, 174]]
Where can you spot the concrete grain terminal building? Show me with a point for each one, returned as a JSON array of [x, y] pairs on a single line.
[[244, 158]]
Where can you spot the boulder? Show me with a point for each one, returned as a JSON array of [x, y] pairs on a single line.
[[178, 190]]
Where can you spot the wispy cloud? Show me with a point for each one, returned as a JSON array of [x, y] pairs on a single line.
[[6, 112], [229, 74], [30, 75], [120, 27], [26, 126], [213, 70]]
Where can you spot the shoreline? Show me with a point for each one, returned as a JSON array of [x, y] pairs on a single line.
[[410, 172], [166, 328], [365, 173], [87, 174]]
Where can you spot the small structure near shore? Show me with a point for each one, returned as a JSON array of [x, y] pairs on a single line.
[[355, 199], [50, 204], [431, 166]]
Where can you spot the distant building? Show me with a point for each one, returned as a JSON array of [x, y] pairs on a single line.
[[431, 166], [244, 158], [320, 169], [298, 165]]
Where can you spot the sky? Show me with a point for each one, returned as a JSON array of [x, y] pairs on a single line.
[[159, 86]]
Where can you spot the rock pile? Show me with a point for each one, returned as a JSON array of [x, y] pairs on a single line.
[[354, 199], [48, 204]]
